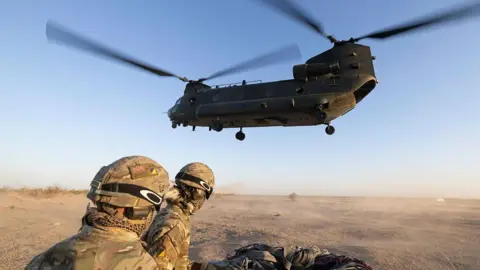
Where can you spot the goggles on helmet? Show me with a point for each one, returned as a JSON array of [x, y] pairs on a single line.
[[188, 177], [123, 189]]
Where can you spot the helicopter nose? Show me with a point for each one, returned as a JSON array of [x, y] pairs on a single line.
[[169, 113]]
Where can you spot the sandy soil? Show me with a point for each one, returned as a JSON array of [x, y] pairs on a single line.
[[387, 233]]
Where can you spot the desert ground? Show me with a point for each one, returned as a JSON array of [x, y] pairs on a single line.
[[388, 233]]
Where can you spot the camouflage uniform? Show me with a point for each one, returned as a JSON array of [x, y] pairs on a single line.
[[171, 241], [168, 238], [127, 194]]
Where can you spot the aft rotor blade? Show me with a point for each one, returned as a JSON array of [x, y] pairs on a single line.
[[444, 17], [286, 53], [61, 35], [295, 12]]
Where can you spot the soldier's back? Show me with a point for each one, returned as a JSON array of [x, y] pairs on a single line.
[[169, 218], [94, 248], [168, 238]]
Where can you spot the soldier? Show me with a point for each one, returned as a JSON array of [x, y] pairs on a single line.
[[168, 238], [127, 194]]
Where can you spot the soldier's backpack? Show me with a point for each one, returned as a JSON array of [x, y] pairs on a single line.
[[265, 257], [260, 257], [338, 262]]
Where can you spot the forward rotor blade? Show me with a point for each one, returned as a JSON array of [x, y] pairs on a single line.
[[283, 54], [295, 12], [63, 36], [444, 17]]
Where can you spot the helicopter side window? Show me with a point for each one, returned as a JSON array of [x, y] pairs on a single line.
[[192, 100]]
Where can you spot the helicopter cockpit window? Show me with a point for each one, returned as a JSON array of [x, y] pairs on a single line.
[[177, 103]]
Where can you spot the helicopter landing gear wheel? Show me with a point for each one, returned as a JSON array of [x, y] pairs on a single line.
[[240, 135], [329, 130], [174, 125], [218, 127]]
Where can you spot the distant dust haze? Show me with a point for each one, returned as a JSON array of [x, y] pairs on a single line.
[[233, 188], [387, 233]]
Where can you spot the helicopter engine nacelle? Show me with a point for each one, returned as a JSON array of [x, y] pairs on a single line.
[[305, 71]]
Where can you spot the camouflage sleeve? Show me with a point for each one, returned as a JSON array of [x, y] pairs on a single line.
[[183, 261], [36, 262], [163, 245], [56, 256]]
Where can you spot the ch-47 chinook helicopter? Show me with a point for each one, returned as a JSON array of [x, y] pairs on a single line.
[[326, 87]]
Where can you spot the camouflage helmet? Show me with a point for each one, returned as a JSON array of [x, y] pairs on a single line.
[[196, 175], [132, 181]]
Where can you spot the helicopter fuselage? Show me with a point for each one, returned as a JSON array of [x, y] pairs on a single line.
[[332, 82], [326, 87]]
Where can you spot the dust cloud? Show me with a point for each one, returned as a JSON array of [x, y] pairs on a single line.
[[233, 188], [388, 233]]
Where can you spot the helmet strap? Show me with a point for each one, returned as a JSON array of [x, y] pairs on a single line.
[[137, 213]]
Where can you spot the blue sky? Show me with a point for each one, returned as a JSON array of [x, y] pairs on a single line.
[[66, 113]]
